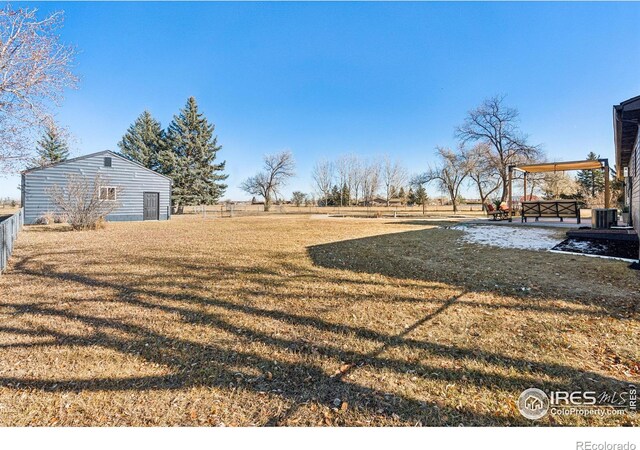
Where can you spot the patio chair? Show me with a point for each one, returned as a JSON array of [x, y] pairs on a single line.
[[496, 214]]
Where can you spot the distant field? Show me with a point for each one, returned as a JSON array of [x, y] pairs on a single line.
[[7, 212], [380, 211], [302, 320]]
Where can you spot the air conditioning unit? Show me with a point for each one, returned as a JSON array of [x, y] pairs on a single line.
[[602, 218]]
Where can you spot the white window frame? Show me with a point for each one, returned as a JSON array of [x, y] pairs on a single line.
[[107, 199]]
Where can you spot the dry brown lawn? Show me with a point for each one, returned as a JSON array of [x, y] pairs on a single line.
[[302, 321]]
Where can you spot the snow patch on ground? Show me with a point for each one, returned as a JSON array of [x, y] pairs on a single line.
[[604, 248], [510, 237], [584, 246]]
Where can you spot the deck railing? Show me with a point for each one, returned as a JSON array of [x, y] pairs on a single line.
[[9, 229]]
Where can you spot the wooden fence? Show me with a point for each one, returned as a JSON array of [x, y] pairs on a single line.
[[9, 229]]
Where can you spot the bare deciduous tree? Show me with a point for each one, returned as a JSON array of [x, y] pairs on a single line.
[[394, 175], [370, 177], [298, 198], [558, 185], [278, 168], [449, 173], [35, 68], [482, 172], [591, 201], [534, 184], [496, 124], [355, 174], [323, 176], [84, 202], [343, 169]]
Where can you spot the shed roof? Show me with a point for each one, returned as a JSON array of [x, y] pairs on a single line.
[[562, 166], [109, 152]]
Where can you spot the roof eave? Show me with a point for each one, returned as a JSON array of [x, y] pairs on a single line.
[[78, 158], [110, 152], [617, 138], [632, 104]]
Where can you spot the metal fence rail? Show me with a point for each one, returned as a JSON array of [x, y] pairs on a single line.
[[9, 229]]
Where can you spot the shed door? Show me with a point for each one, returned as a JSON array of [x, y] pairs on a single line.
[[151, 206]]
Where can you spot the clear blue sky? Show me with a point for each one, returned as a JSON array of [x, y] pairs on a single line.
[[323, 79]]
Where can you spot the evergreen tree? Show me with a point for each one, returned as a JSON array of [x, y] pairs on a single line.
[[334, 197], [346, 195], [421, 197], [143, 142], [402, 195], [189, 159], [591, 181], [51, 148], [411, 197]]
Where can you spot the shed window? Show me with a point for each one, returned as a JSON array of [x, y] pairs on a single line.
[[107, 193], [107, 161]]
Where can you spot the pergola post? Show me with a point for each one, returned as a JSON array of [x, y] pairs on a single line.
[[606, 184], [510, 198], [525, 186]]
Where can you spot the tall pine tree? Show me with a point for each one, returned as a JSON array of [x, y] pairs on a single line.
[[421, 197], [411, 197], [51, 148], [402, 195], [591, 181], [334, 199], [345, 198], [189, 159], [144, 141]]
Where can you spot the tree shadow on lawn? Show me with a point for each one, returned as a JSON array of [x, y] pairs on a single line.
[[429, 222], [195, 364], [437, 255], [264, 279]]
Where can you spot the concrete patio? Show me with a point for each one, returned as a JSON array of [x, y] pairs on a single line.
[[542, 222]]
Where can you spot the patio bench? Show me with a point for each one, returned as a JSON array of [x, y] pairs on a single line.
[[550, 208]]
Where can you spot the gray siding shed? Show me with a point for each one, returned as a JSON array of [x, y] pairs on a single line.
[[132, 180]]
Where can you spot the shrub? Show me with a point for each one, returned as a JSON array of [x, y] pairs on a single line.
[[80, 203], [100, 224], [49, 217], [44, 219]]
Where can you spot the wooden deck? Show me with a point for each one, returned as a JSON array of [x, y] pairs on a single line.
[[609, 234]]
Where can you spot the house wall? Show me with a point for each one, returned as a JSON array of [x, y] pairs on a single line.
[[130, 179], [634, 172]]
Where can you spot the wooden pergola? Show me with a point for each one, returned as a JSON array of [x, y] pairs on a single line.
[[599, 164]]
